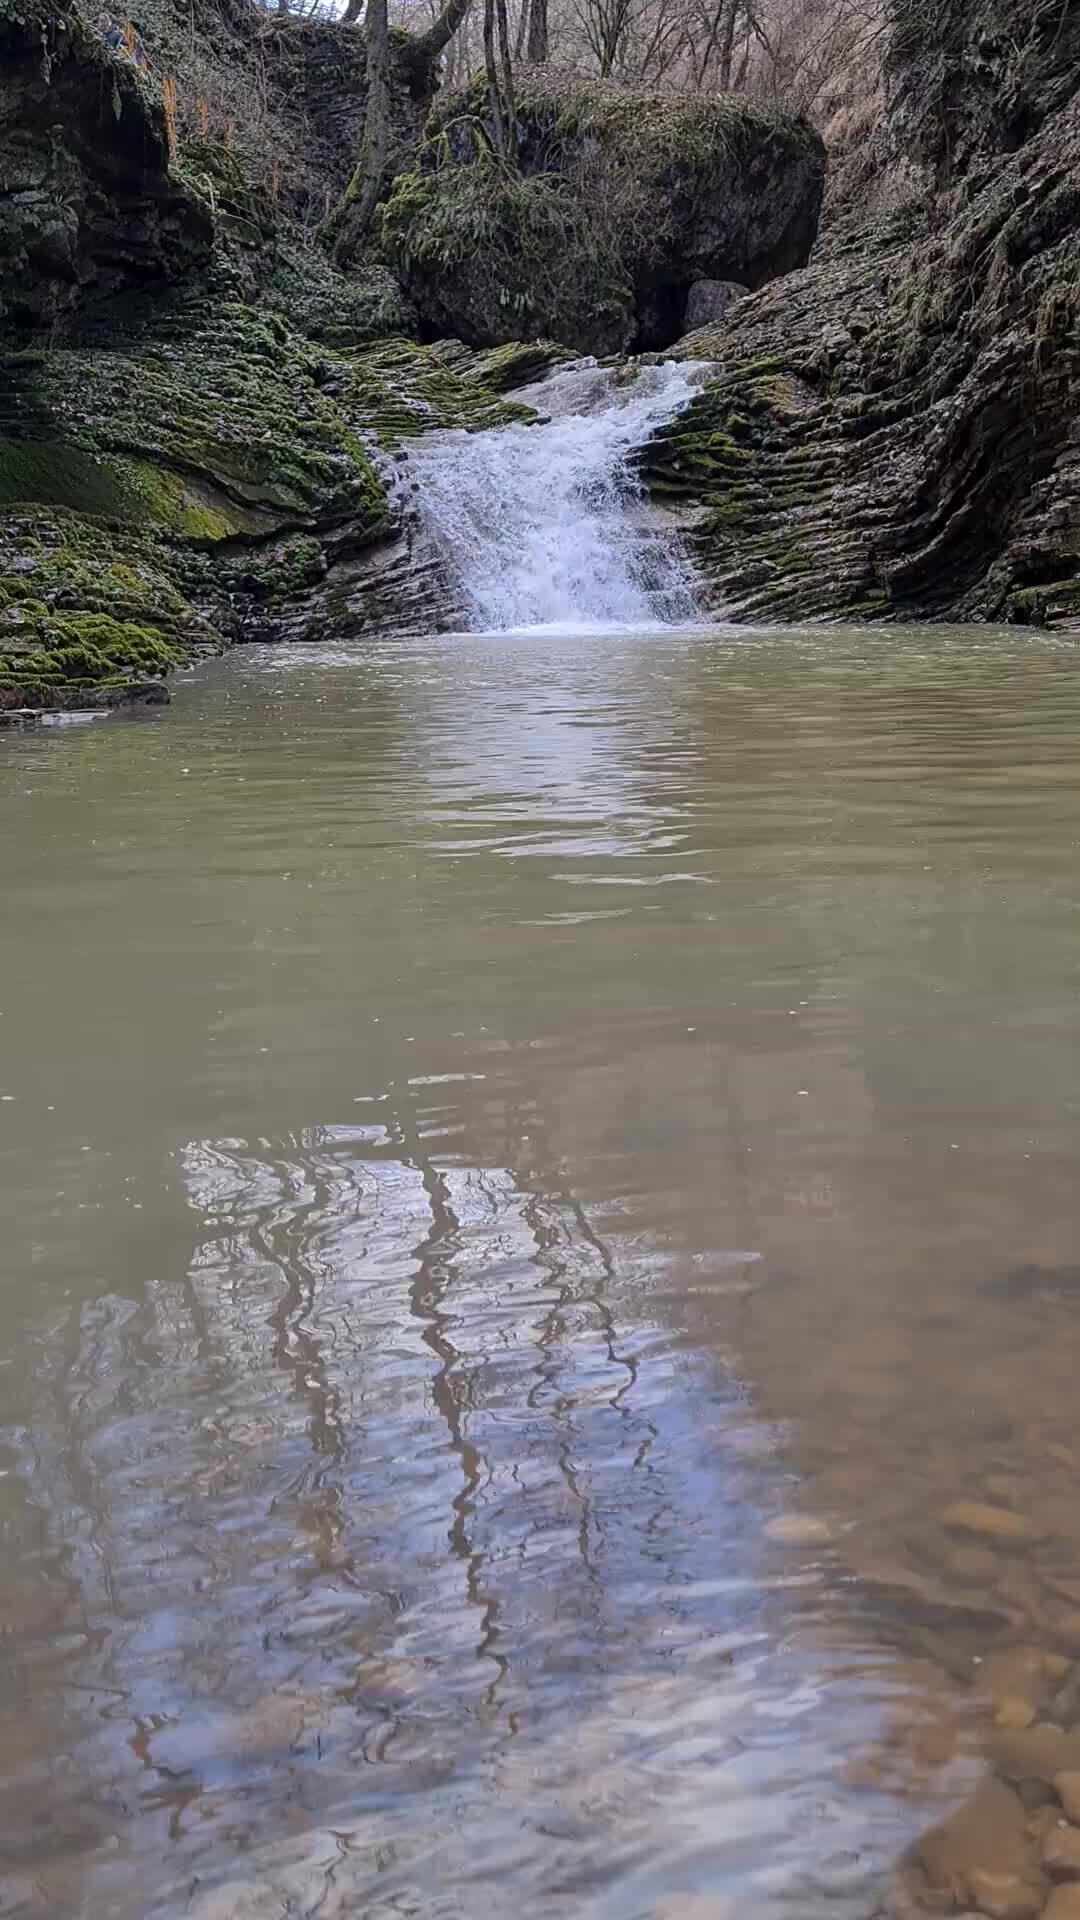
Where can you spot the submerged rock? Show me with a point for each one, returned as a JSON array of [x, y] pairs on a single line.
[[799, 1530], [1040, 1753], [1028, 1282], [1063, 1904], [981, 1857], [998, 1524], [1067, 1788], [1061, 1852]]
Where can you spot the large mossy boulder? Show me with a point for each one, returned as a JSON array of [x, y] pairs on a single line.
[[620, 200]]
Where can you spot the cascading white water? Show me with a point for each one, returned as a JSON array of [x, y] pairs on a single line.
[[545, 525]]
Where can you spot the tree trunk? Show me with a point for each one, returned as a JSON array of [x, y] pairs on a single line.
[[352, 12], [727, 45], [509, 108], [536, 45], [348, 224], [498, 131], [438, 37]]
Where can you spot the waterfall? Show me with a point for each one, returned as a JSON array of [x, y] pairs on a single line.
[[546, 525]]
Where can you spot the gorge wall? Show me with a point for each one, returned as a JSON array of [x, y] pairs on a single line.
[[894, 431]]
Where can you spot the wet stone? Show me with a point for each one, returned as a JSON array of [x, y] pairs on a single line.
[[1014, 1713], [799, 1530], [981, 1855], [1016, 1674], [1006, 1896], [1063, 1904], [1061, 1852], [973, 1566], [1038, 1753], [1067, 1631], [1038, 1797], [1067, 1786]]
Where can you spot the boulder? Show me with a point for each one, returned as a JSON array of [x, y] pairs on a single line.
[[709, 300], [621, 202]]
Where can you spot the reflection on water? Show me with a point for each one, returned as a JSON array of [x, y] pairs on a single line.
[[538, 1283]]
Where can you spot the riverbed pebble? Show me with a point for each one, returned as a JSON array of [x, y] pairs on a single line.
[[1067, 1787], [1016, 1674], [799, 1530], [1063, 1904], [1014, 1713], [1006, 1896], [1038, 1753], [991, 1523], [981, 1853], [1061, 1852], [1067, 1630], [973, 1566]]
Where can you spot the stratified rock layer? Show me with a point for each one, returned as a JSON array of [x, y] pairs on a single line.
[[894, 431]]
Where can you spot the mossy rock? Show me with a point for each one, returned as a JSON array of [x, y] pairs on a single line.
[[81, 608], [91, 208], [400, 390], [343, 309], [220, 423]]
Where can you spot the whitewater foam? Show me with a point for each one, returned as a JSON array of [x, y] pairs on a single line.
[[546, 525]]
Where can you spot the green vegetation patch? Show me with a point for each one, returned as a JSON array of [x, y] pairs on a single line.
[[400, 390], [83, 606], [519, 253]]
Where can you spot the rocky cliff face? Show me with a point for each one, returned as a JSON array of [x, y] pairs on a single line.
[[88, 203], [894, 432], [967, 80]]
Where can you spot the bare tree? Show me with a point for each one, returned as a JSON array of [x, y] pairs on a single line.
[[347, 225], [537, 32], [353, 217]]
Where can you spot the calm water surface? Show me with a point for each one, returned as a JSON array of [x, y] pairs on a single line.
[[536, 1170]]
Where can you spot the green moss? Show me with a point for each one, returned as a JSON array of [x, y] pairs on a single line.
[[649, 129], [518, 363], [1054, 603], [225, 426], [87, 647], [401, 390], [58, 474], [730, 510], [342, 309], [185, 506], [522, 254]]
